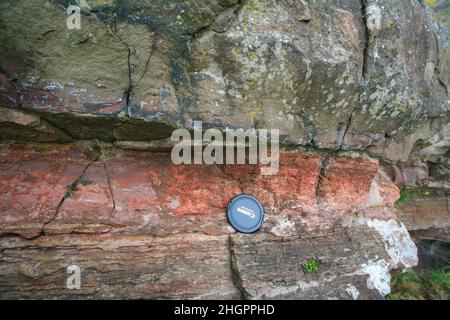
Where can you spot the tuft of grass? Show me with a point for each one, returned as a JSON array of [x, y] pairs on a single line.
[[433, 284], [310, 266], [439, 284]]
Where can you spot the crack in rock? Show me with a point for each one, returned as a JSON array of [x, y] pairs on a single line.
[[61, 202], [235, 273], [109, 187]]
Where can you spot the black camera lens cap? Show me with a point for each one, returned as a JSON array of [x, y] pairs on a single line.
[[245, 213]]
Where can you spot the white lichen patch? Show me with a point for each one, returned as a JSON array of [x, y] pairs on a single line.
[[283, 227], [398, 244], [214, 73], [352, 291], [374, 19], [379, 276], [52, 86]]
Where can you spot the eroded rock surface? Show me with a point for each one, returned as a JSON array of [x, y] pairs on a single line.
[[359, 88], [140, 227], [330, 74]]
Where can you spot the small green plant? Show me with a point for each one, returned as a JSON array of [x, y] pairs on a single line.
[[408, 194], [70, 190], [405, 196], [310, 266]]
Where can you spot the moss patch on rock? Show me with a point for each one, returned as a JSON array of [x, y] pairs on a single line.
[[409, 194]]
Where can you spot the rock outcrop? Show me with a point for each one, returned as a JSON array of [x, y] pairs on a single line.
[[357, 88], [331, 74], [140, 227]]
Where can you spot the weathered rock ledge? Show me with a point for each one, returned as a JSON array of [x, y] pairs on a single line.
[[140, 227], [356, 74]]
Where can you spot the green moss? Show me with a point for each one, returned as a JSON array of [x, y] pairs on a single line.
[[254, 6], [85, 181], [252, 54], [257, 116], [431, 284], [103, 154], [70, 190], [310, 266]]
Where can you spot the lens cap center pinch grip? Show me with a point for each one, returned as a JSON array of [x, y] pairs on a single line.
[[245, 213]]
